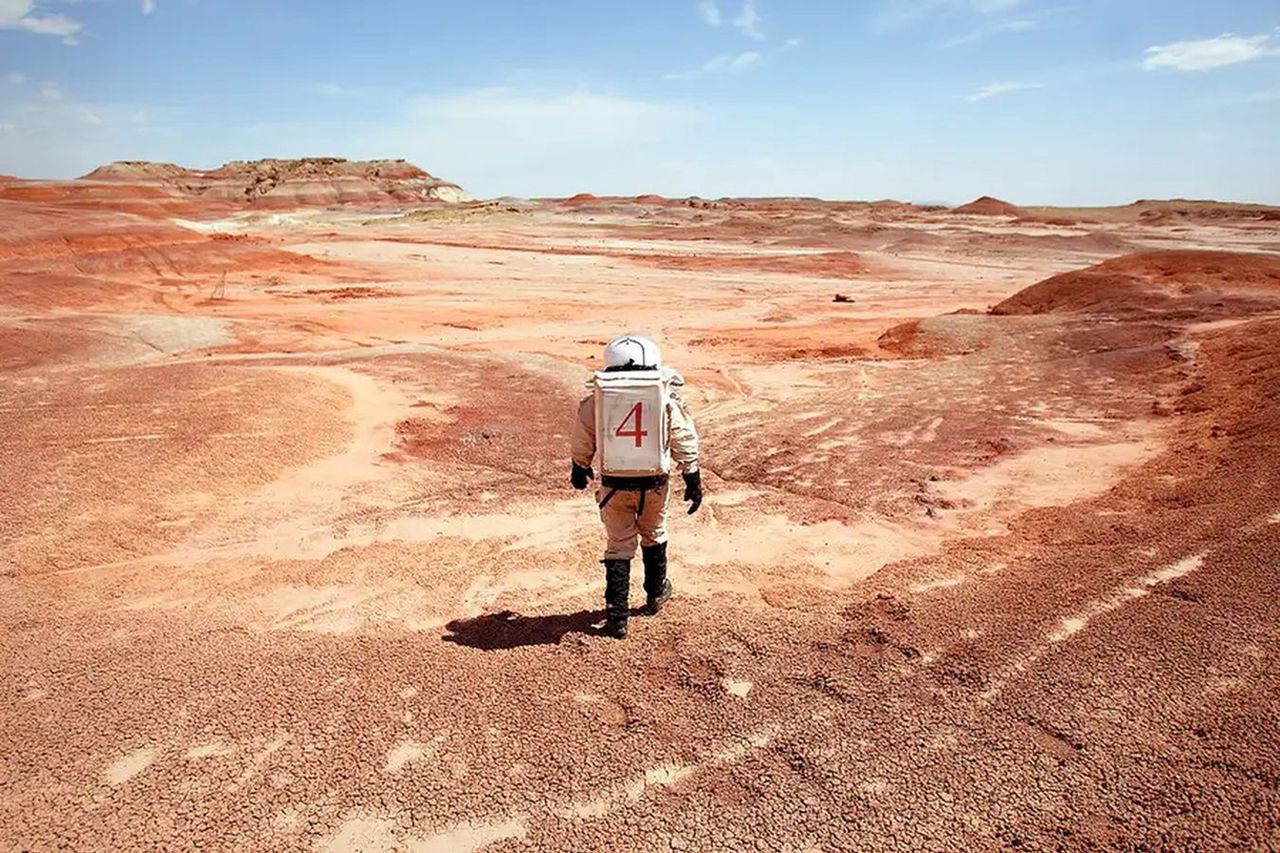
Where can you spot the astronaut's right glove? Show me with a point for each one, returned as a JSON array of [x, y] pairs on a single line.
[[693, 490], [581, 476]]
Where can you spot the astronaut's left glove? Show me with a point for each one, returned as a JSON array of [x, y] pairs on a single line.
[[581, 476], [693, 490]]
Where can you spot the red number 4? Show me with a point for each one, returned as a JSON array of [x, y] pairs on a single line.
[[638, 432]]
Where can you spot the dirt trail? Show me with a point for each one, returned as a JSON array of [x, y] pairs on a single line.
[[289, 571]]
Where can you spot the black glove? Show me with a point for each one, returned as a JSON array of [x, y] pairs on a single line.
[[693, 490], [581, 476]]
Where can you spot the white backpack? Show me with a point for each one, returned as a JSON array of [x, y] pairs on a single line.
[[631, 423]]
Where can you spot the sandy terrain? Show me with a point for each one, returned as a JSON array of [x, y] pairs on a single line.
[[290, 558]]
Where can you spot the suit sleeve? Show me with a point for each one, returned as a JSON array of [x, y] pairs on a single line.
[[582, 441], [684, 436]]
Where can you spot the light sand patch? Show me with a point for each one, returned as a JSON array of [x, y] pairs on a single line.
[[407, 752], [734, 498], [125, 768], [346, 608], [736, 687], [210, 750], [1052, 476], [408, 692], [35, 694], [466, 837], [819, 430], [844, 553], [1076, 429], [1275, 519], [403, 753], [1183, 567], [938, 583], [364, 834]]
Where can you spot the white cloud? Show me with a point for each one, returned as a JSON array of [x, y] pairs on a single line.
[[148, 6], [1251, 98], [967, 38], [725, 63], [987, 7], [1205, 54], [990, 91], [747, 21], [51, 133], [897, 14], [1016, 25], [710, 13], [22, 15], [17, 78]]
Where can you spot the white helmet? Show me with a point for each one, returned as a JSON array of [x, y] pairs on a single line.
[[632, 351]]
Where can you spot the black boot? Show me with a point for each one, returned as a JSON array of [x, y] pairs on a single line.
[[656, 586], [617, 586]]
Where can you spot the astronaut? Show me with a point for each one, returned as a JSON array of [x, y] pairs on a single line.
[[635, 427]]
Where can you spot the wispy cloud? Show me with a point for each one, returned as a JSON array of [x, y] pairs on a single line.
[[993, 89], [16, 78], [725, 63], [710, 13], [987, 7], [1250, 98], [991, 23], [731, 63], [22, 15], [148, 6], [898, 14], [746, 21], [1206, 54]]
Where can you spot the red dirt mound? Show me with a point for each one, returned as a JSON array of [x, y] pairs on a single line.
[[582, 198], [988, 206], [933, 337], [649, 198], [1169, 282]]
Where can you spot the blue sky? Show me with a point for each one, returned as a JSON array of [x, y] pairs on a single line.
[[1037, 101]]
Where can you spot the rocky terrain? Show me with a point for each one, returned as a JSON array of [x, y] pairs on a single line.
[[309, 182], [291, 561]]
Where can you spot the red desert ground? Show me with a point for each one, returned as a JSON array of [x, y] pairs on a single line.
[[290, 560]]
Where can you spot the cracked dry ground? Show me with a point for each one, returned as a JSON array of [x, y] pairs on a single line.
[[1014, 584]]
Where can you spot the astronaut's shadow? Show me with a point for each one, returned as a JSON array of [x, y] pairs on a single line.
[[510, 630]]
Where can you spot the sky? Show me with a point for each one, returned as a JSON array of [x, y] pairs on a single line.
[[1035, 101]]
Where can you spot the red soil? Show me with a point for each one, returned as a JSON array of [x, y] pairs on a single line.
[[823, 264]]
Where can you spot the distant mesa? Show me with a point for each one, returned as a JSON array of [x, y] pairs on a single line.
[[649, 198], [988, 206], [582, 198], [289, 183]]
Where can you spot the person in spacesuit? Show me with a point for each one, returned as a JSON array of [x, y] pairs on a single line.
[[636, 428]]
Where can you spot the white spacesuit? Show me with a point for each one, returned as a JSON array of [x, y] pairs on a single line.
[[634, 425]]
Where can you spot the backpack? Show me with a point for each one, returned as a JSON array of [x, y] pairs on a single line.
[[631, 423]]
